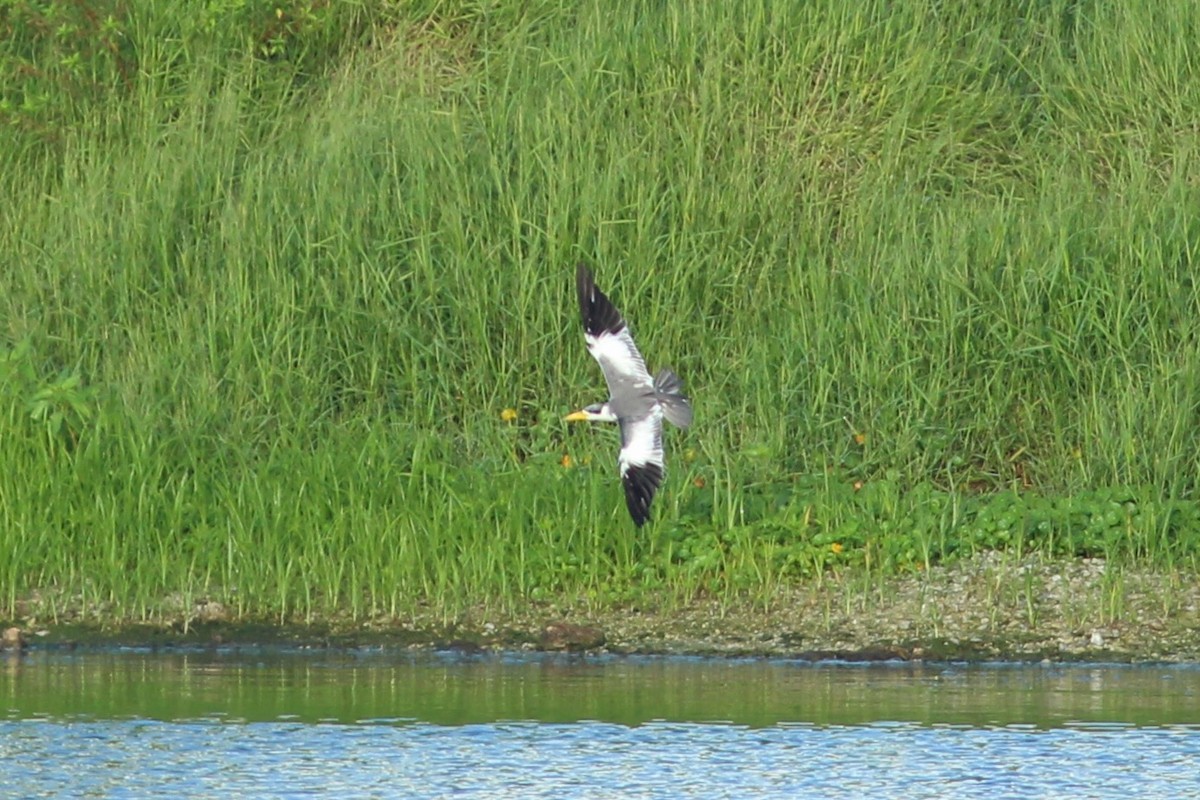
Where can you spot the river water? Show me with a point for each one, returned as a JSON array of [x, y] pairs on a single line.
[[293, 723]]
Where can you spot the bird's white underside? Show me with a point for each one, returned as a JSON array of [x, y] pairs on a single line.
[[617, 354], [643, 442]]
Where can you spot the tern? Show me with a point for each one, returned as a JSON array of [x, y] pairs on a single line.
[[637, 402]]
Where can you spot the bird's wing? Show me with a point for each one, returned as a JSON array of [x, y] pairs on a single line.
[[641, 462], [608, 338]]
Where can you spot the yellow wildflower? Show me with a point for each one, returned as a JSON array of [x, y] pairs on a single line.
[[508, 414]]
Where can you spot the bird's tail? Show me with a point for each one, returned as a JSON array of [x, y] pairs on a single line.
[[668, 388]]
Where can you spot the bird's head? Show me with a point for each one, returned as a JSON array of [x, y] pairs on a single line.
[[596, 412]]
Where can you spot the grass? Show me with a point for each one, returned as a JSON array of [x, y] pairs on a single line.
[[928, 273]]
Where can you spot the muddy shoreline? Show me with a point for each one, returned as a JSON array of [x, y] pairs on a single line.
[[988, 608]]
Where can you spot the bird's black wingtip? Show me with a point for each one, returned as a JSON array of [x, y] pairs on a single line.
[[585, 286], [641, 483], [597, 311]]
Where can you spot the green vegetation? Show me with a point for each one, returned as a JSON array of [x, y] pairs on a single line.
[[271, 274]]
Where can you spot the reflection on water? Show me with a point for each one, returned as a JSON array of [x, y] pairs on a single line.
[[387, 724], [453, 690]]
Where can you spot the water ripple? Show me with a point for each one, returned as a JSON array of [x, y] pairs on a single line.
[[142, 758]]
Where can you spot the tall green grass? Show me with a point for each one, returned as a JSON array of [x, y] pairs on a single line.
[[262, 308]]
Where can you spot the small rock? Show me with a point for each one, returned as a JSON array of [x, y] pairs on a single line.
[[570, 637], [211, 611], [12, 639]]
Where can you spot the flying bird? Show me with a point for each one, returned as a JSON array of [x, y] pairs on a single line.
[[637, 402]]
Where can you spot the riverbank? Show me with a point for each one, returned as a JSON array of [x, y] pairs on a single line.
[[989, 607], [291, 328]]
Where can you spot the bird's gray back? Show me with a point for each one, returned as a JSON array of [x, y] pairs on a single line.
[[630, 396]]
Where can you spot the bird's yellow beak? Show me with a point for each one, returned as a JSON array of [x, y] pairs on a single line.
[[576, 416]]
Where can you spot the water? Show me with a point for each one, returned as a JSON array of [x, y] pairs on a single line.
[[273, 723]]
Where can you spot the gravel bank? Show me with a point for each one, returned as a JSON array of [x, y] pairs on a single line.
[[988, 607]]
